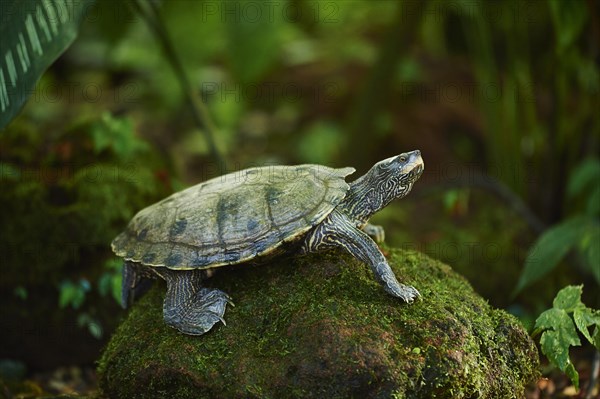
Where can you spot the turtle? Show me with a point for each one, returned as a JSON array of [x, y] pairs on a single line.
[[251, 214]]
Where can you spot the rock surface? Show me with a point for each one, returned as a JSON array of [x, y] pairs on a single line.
[[320, 326]]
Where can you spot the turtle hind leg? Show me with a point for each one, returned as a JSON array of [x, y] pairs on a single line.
[[189, 307], [133, 285]]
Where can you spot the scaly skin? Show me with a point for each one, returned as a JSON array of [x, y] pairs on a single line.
[[188, 306]]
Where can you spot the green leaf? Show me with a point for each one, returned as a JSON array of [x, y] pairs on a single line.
[[585, 317], [569, 18], [591, 250], [34, 33], [558, 320], [110, 280], [586, 174], [116, 134], [93, 325], [104, 284], [573, 375], [559, 332], [73, 294], [116, 288], [569, 298], [555, 345], [593, 203], [67, 293], [114, 264], [556, 340], [550, 248]]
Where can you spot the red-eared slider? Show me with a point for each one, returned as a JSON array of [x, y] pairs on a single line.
[[240, 216]]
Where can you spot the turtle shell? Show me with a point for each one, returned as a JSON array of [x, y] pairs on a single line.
[[232, 218]]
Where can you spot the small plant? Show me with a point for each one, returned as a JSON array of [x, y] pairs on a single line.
[[110, 280], [73, 294], [559, 327]]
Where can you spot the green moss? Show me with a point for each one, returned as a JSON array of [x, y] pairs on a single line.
[[320, 326]]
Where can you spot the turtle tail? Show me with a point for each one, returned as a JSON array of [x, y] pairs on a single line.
[[133, 285]]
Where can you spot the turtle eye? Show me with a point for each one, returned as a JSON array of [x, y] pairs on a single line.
[[402, 158]]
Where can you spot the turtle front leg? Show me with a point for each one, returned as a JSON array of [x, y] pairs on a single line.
[[338, 231], [188, 306]]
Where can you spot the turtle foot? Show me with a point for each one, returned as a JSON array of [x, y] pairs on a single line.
[[386, 277], [374, 231], [201, 313], [405, 292]]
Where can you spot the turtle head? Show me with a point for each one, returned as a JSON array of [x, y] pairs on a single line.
[[394, 177], [387, 180]]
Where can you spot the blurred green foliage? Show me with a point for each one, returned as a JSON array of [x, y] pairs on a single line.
[[579, 232], [64, 198], [73, 294], [67, 198]]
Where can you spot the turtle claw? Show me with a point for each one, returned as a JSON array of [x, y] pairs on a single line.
[[228, 299], [407, 293], [386, 277]]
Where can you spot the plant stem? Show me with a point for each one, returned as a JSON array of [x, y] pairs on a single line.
[[149, 12]]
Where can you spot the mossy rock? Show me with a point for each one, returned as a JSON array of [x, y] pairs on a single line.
[[320, 326]]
